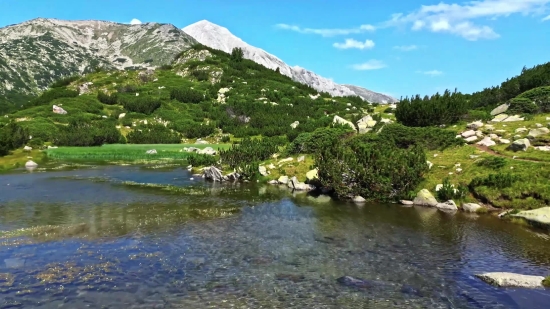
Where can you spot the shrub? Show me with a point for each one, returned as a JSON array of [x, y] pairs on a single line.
[[107, 99], [12, 136], [476, 114], [127, 89], [195, 159], [435, 110], [500, 181], [225, 139], [449, 192], [546, 282], [81, 132], [200, 75], [52, 94], [64, 81], [431, 138], [250, 151], [522, 106], [370, 167], [153, 134], [186, 95], [141, 104], [492, 162]]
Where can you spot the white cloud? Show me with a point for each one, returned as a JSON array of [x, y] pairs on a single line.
[[327, 32], [546, 18], [135, 21], [458, 19], [369, 65], [351, 43], [406, 47], [431, 73]]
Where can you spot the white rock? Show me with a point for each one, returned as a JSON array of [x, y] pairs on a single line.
[[151, 151], [283, 180], [31, 163], [487, 141], [505, 279], [468, 133], [301, 158], [358, 199], [448, 206], [470, 207], [27, 148], [475, 125], [471, 139]]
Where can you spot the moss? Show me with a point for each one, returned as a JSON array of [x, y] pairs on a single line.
[[546, 282]]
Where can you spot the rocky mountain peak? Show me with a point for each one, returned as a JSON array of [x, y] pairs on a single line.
[[219, 37]]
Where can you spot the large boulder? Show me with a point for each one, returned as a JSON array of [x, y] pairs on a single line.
[[359, 199], [27, 148], [293, 183], [513, 118], [539, 216], [213, 173], [263, 171], [425, 198], [283, 180], [468, 133], [58, 110], [520, 144], [538, 132], [504, 279], [500, 109], [499, 118], [339, 120]]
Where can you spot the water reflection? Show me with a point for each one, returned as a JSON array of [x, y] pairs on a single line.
[[152, 238]]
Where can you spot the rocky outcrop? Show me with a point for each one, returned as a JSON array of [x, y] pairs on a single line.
[[425, 198], [500, 109], [538, 217], [505, 279], [339, 120], [213, 173]]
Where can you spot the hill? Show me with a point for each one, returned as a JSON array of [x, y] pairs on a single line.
[[35, 53], [205, 92], [221, 38]]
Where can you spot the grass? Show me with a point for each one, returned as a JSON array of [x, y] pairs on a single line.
[[127, 152], [532, 191], [18, 158]]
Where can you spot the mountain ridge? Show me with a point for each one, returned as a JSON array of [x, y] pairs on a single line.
[[221, 38]]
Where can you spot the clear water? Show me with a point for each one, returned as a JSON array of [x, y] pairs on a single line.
[[83, 238]]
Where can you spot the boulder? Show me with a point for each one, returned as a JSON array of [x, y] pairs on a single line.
[[425, 198], [520, 144], [504, 141], [295, 124], [59, 110], [500, 109], [313, 174], [539, 216], [359, 199], [207, 151], [406, 202], [448, 206], [339, 120], [293, 183], [538, 132], [27, 148], [487, 141], [122, 115], [283, 180], [543, 148], [151, 151], [471, 139], [263, 171], [521, 130], [513, 118], [468, 133], [470, 207], [31, 163], [213, 173], [273, 182], [301, 158], [475, 125], [504, 279], [499, 118]]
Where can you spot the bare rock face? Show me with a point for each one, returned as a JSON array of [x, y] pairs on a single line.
[[221, 38], [504, 279]]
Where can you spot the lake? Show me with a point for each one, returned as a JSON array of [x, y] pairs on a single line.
[[152, 237]]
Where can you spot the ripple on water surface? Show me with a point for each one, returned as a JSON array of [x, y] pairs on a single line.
[[106, 237]]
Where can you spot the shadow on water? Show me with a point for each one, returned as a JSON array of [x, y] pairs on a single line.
[[117, 237]]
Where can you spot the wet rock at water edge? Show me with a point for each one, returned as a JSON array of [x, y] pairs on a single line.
[[425, 198], [447, 206], [504, 279], [213, 173], [31, 163], [359, 199], [471, 207]]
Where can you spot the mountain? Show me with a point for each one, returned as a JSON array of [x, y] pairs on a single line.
[[221, 38], [39, 51]]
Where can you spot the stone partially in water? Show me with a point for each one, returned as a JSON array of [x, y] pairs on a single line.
[[425, 198], [539, 217], [504, 279]]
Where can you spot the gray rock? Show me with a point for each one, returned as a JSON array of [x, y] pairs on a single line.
[[468, 133], [31, 163], [151, 151], [425, 198], [283, 180], [406, 202], [470, 207], [358, 199], [471, 139], [504, 279], [487, 141], [500, 109], [538, 132], [207, 151], [213, 173], [475, 125], [520, 144], [447, 206], [262, 170]]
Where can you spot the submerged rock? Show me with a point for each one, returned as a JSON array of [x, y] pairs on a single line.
[[504, 279]]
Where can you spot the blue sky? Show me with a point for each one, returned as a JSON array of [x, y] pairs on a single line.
[[391, 46]]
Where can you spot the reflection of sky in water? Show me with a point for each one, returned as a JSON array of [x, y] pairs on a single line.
[[283, 252]]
